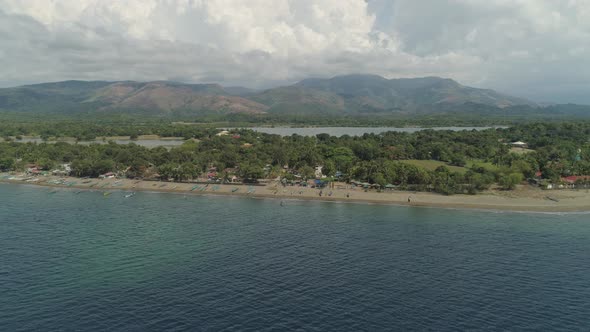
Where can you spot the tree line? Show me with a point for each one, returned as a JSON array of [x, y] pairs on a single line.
[[481, 158]]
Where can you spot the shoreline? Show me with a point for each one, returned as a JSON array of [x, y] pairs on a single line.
[[524, 199]]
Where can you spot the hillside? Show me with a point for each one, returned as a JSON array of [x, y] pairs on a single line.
[[296, 100], [149, 98], [167, 97], [342, 95], [374, 93]]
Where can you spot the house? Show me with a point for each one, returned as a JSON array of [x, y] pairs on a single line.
[[62, 170], [222, 133], [575, 178], [66, 167], [318, 172], [30, 168], [109, 175], [519, 144]]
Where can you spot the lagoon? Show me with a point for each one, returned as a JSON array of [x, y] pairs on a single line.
[[170, 142], [148, 143], [351, 131]]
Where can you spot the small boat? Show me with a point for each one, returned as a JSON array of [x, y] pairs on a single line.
[[52, 192], [234, 190], [130, 195], [195, 188], [106, 194], [552, 198]]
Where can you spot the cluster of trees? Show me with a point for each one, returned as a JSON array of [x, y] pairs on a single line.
[[484, 156], [107, 124]]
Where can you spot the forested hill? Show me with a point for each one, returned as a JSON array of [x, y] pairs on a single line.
[[342, 96]]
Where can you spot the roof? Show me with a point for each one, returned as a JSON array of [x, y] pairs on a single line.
[[518, 143], [574, 178]]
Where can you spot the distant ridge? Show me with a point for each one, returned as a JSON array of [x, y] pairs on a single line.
[[348, 94]]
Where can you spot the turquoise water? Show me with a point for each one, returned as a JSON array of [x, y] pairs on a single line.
[[83, 262]]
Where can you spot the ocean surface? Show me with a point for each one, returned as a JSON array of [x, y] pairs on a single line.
[[153, 262]]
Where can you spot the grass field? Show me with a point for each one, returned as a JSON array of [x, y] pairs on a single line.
[[487, 166]]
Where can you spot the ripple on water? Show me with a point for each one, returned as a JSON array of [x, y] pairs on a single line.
[[162, 262]]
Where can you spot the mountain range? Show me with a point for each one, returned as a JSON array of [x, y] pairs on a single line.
[[350, 94]]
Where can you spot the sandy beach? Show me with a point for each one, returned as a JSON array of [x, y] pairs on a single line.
[[524, 198]]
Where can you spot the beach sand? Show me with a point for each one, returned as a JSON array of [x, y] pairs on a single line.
[[524, 198]]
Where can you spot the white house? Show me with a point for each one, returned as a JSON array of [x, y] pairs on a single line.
[[519, 144]]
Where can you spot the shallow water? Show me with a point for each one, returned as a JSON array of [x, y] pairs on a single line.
[[168, 262]]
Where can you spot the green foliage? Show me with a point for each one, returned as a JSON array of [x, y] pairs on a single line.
[[413, 161], [509, 181], [6, 164]]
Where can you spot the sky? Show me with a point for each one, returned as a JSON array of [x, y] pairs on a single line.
[[537, 49]]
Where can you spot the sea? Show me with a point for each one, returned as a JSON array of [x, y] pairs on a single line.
[[80, 261]]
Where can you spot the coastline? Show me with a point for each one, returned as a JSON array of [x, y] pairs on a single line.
[[524, 199]]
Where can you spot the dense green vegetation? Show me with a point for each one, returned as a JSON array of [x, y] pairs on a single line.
[[479, 158]]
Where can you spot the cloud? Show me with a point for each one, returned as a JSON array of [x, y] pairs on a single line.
[[522, 47]]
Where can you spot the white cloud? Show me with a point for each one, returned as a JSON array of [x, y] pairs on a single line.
[[525, 47]]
